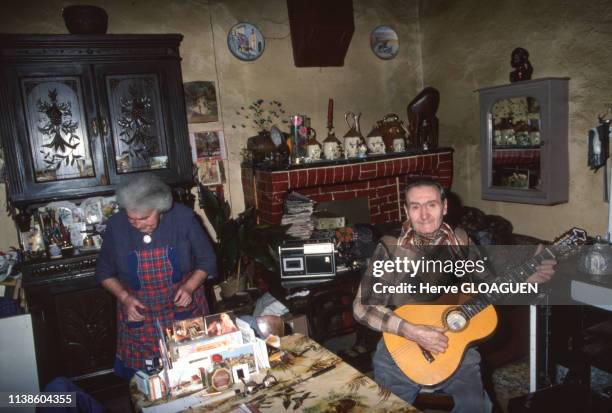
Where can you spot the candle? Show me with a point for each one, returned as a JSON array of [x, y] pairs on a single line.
[[330, 114]]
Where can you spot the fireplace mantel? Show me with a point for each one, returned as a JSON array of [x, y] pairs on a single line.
[[381, 180]]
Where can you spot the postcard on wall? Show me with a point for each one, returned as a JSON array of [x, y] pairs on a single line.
[[201, 102], [209, 144], [209, 172], [220, 324]]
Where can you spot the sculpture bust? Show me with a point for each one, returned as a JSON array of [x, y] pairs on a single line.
[[522, 67]]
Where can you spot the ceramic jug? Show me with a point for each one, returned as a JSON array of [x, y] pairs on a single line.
[[375, 142], [332, 147], [313, 148], [393, 133], [353, 138]]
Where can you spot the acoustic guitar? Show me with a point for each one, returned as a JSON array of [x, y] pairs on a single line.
[[466, 323]]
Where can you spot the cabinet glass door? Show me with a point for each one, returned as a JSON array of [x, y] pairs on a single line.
[[515, 143], [56, 123], [136, 122]]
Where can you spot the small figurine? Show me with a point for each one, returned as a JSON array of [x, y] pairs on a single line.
[[520, 62]]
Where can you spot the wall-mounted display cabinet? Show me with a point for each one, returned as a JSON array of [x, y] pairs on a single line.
[[524, 144], [81, 113]]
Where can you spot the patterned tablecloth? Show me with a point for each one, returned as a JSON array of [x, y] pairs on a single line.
[[341, 389]]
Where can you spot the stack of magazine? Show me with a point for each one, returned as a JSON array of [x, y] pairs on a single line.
[[298, 212]]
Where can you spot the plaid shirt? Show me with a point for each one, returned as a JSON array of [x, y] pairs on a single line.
[[380, 316]]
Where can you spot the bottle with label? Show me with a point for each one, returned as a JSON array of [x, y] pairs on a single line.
[[534, 132]]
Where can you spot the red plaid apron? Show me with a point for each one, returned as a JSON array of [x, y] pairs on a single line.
[[139, 341]]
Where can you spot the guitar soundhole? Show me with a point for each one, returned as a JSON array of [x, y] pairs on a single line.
[[456, 320]]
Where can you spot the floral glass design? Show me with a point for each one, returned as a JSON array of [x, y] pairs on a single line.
[[136, 123], [58, 141], [138, 138]]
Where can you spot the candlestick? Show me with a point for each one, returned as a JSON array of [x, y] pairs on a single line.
[[330, 114]]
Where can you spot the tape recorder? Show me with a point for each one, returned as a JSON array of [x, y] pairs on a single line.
[[307, 260]]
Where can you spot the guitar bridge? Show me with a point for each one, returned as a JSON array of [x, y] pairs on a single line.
[[428, 356]]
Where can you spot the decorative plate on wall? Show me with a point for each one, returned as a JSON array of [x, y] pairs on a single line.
[[384, 42], [245, 41]]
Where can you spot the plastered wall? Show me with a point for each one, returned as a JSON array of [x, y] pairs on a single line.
[[456, 46], [365, 84], [467, 45]]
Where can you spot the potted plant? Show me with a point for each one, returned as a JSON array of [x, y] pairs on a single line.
[[239, 241], [261, 115]]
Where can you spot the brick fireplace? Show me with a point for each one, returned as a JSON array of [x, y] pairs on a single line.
[[382, 181]]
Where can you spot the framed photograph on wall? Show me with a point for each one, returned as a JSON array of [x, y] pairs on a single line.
[[208, 144], [201, 102], [209, 172]]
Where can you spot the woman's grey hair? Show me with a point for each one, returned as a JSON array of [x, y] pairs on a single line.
[[144, 192]]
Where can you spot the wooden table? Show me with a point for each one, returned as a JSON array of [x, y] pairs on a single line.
[[341, 389]]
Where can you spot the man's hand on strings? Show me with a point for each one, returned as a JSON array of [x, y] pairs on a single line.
[[544, 271]]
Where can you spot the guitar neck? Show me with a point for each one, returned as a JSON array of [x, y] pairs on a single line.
[[517, 274]]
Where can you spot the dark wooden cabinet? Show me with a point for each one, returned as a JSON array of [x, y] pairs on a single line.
[[80, 114], [74, 328]]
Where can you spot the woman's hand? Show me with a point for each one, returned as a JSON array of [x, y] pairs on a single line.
[[133, 307], [182, 297]]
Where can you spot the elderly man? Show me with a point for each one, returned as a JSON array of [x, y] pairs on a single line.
[[426, 206], [154, 258]]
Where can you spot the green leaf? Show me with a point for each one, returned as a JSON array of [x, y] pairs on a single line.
[[211, 206]]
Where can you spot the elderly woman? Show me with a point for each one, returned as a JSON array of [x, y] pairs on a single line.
[[154, 259]]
